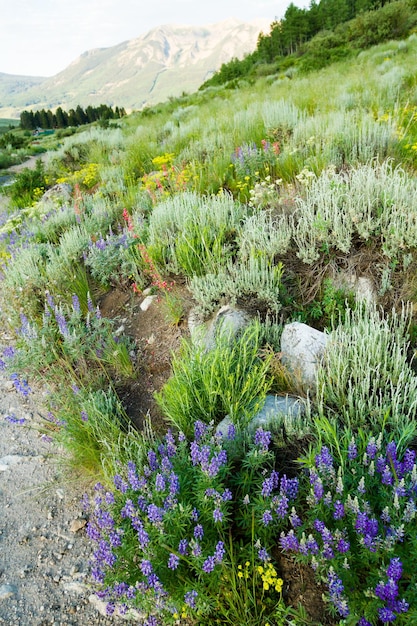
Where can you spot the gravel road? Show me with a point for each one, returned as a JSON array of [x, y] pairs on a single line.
[[44, 552]]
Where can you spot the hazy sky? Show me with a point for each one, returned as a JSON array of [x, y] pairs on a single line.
[[42, 37]]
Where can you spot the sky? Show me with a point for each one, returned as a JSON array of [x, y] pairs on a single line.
[[42, 37]]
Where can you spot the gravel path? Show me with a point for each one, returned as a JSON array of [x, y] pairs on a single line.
[[44, 551]]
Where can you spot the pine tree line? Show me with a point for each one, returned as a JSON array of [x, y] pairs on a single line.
[[30, 120]]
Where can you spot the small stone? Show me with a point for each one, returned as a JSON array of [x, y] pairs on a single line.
[[60, 494], [77, 524], [74, 587], [7, 591], [8, 460]]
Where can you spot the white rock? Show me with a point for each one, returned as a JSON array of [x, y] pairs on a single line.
[[146, 303], [302, 348]]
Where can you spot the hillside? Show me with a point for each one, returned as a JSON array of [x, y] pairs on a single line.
[[164, 62], [154, 273]]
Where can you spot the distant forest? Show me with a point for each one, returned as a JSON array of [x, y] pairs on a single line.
[[31, 120]]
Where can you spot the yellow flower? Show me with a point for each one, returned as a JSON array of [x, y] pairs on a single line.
[[240, 574], [278, 585], [260, 569], [247, 564], [266, 586], [175, 616]]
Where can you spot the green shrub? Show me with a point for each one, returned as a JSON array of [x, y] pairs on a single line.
[[231, 379]]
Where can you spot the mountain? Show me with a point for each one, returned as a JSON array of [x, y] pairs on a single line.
[[166, 61]]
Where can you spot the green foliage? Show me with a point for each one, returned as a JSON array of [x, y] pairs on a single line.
[[25, 188], [255, 280], [328, 309], [230, 379], [112, 261], [191, 234]]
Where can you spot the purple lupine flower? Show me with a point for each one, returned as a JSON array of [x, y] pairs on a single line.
[[174, 484], [231, 432], [104, 520], [196, 549], [200, 429], [76, 304], [166, 464], [312, 545], [195, 452], [227, 495], [289, 541], [190, 598], [128, 511], [371, 448], [173, 561], [263, 555], [282, 507], [90, 305], [267, 487], [386, 615], [289, 486], [408, 460], [198, 531], [143, 537], [135, 482], [387, 477], [155, 514], [209, 564], [395, 569], [336, 589], [267, 518], [204, 456], [295, 521], [159, 482], [62, 323], [217, 515], [84, 416], [324, 460], [115, 538], [343, 546], [153, 461], [364, 622], [219, 552], [352, 450], [339, 510], [318, 490], [12, 419], [216, 463], [328, 551], [262, 438], [194, 514], [183, 547], [120, 484], [146, 567]]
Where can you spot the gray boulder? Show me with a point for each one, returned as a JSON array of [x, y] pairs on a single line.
[[227, 323], [275, 412], [302, 348]]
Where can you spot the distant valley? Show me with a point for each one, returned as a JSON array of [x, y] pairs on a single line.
[[164, 62]]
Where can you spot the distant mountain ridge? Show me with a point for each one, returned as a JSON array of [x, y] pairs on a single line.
[[166, 61]]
